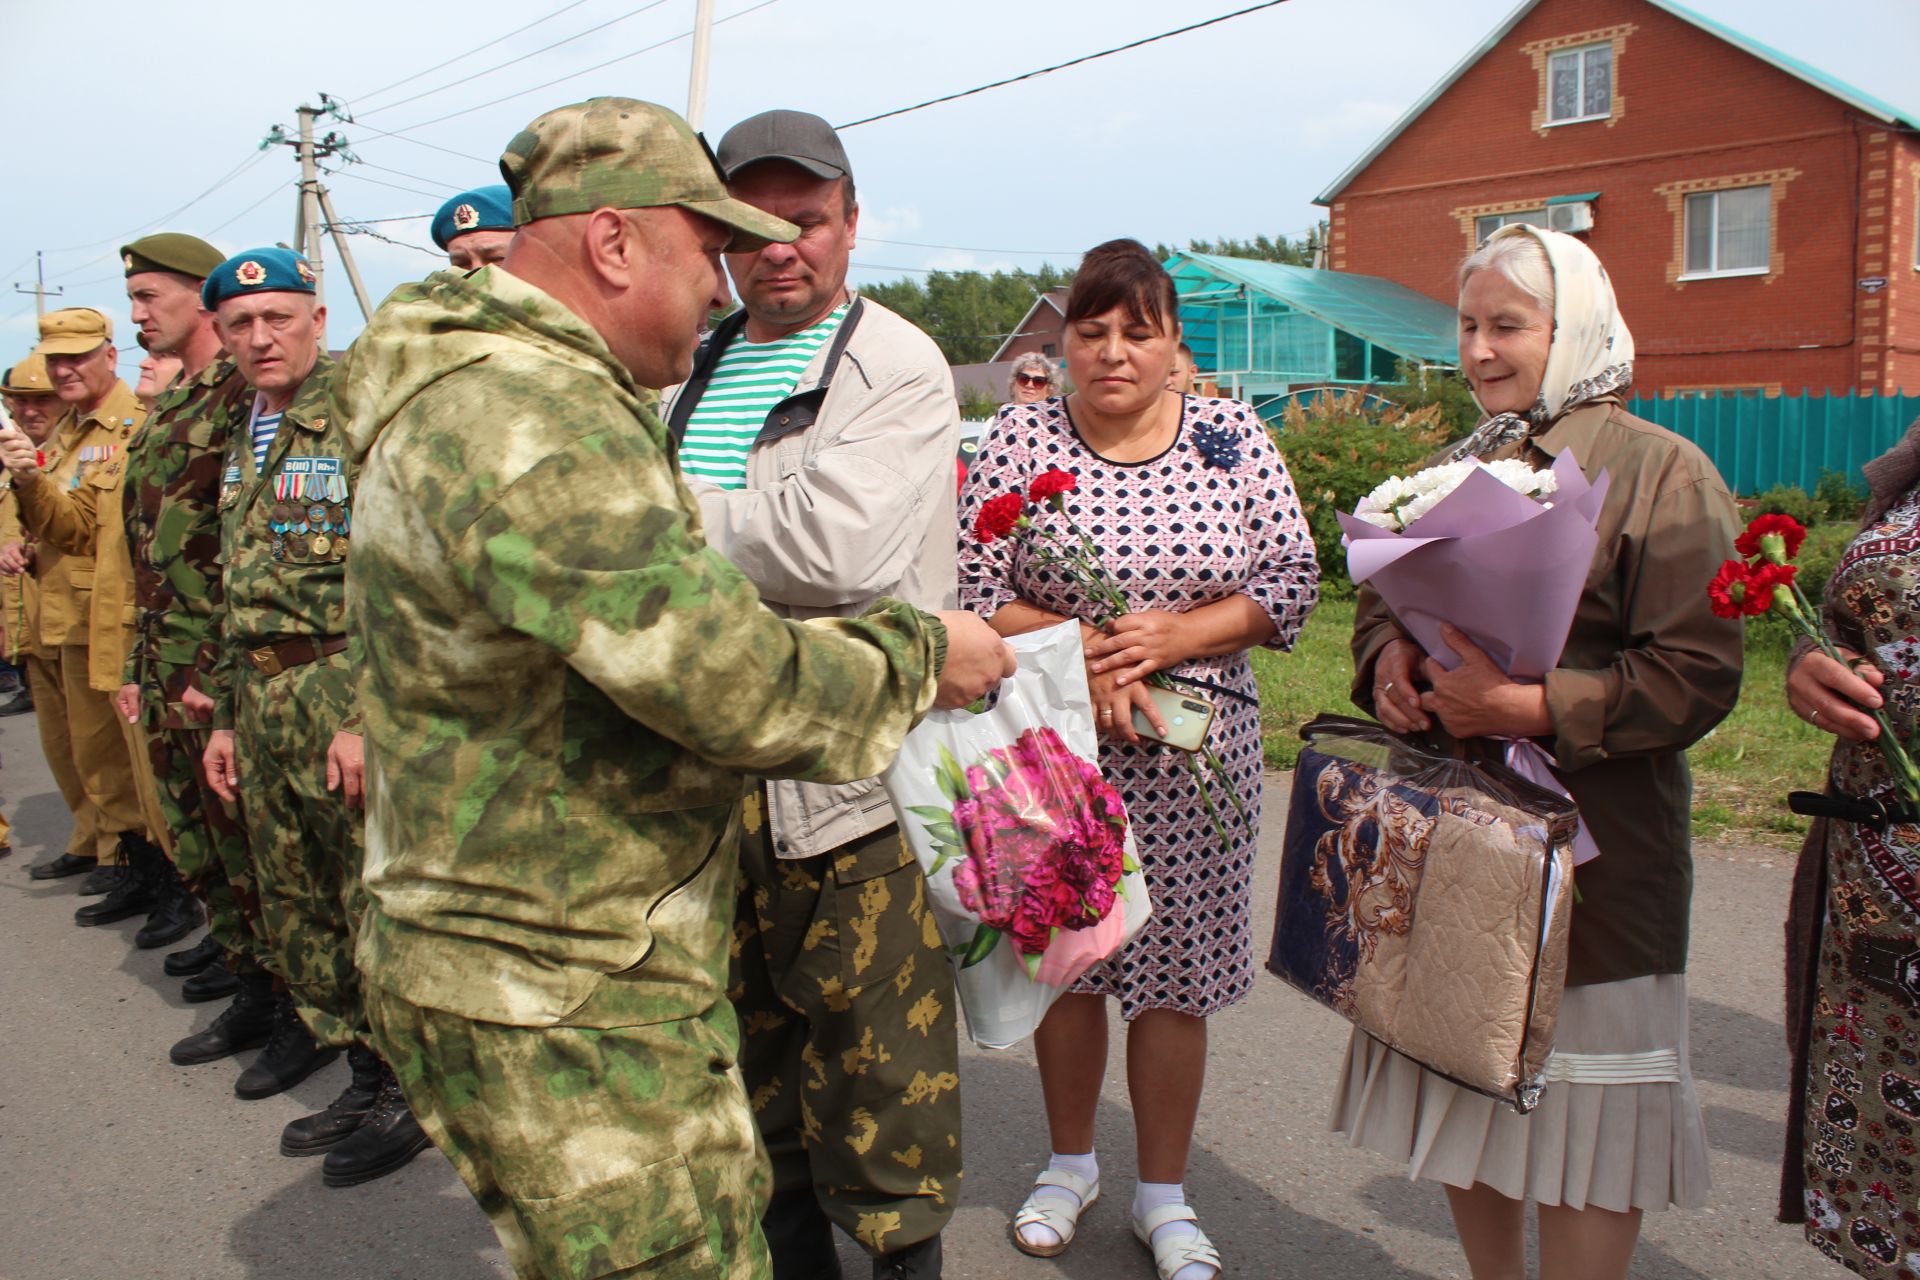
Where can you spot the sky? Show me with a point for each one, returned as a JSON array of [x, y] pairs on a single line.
[[149, 125]]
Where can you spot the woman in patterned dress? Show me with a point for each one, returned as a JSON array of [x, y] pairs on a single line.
[[1853, 965], [1647, 670], [1196, 517]]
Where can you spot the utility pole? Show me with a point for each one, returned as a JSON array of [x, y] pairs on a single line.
[[697, 75], [314, 218], [39, 290]]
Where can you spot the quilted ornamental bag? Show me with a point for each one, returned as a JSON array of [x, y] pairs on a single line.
[[1427, 900]]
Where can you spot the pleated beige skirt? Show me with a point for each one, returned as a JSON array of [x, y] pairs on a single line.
[[1619, 1126]]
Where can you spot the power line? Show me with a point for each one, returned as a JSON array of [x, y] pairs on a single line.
[[361, 229], [401, 173], [970, 248], [432, 146], [1062, 66], [575, 75], [278, 187], [501, 66], [476, 49], [220, 182], [379, 182]]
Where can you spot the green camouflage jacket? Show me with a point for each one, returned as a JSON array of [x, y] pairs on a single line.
[[562, 686], [284, 530], [173, 533]]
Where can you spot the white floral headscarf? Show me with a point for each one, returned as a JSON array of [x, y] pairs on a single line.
[[1592, 351]]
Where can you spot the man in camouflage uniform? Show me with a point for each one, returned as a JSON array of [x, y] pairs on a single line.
[[285, 738], [88, 445], [563, 687], [172, 536], [844, 993]]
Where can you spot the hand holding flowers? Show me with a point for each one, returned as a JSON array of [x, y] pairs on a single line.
[[1766, 582]]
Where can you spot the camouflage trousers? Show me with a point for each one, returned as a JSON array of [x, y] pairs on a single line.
[[848, 1042], [305, 844], [209, 844], [624, 1151]]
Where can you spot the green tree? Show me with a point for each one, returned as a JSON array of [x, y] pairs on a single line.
[[968, 313], [1281, 249]]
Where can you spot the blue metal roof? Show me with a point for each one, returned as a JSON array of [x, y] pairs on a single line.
[[1384, 313], [1857, 98]]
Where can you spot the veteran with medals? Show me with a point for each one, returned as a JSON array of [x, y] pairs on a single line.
[[285, 741]]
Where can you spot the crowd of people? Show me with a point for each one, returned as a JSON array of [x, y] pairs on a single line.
[[507, 698]]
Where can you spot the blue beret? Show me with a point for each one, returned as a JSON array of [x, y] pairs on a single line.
[[257, 271], [481, 209]]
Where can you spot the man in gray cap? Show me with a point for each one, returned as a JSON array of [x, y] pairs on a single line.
[[818, 431]]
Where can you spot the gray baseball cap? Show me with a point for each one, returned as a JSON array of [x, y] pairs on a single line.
[[794, 136]]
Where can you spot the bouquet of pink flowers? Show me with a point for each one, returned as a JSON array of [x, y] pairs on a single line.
[[1021, 838]]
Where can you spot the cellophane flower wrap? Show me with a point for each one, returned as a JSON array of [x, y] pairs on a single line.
[[1498, 551], [1029, 859]]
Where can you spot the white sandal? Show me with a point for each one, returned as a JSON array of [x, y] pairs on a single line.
[[1052, 1212], [1171, 1255]]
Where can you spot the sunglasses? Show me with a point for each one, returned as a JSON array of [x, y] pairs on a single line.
[[1031, 379]]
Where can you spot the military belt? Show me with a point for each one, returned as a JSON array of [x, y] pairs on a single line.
[[271, 660], [1874, 814]]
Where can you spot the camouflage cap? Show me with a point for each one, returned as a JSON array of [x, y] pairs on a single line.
[[619, 153], [72, 331], [28, 378], [171, 251]]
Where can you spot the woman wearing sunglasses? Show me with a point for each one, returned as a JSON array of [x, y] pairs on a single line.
[[1033, 379]]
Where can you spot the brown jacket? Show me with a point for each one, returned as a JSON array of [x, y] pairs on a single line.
[[20, 595], [73, 509], [1647, 671]]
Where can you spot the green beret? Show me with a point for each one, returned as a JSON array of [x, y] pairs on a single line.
[[171, 251]]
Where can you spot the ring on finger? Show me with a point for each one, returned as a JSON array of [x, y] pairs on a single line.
[[1813, 717], [1389, 688]]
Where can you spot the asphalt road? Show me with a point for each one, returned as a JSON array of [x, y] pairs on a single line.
[[116, 1164]]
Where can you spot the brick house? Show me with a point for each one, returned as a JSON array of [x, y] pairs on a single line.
[[1757, 215], [1038, 331]]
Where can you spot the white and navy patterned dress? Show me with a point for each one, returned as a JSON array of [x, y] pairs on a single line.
[[1213, 516]]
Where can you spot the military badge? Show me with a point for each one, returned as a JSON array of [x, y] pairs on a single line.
[[466, 217], [127, 259], [304, 271], [250, 273]]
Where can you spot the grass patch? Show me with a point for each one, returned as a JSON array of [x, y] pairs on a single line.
[[1742, 771]]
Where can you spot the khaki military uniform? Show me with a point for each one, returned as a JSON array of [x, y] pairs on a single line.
[[172, 532], [563, 690], [86, 519], [65, 575], [284, 687]]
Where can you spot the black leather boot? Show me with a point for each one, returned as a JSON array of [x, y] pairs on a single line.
[[186, 963], [387, 1138], [919, 1261], [800, 1237], [138, 891], [325, 1130], [215, 982], [175, 915], [101, 880], [66, 864], [290, 1056], [242, 1025]]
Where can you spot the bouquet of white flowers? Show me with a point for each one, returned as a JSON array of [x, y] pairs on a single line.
[[1399, 501]]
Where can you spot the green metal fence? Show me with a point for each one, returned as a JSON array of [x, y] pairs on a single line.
[[1758, 442]]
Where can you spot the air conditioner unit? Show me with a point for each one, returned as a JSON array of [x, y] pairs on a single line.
[[1575, 215]]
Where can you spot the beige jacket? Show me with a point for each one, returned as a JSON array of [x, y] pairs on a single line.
[[849, 497]]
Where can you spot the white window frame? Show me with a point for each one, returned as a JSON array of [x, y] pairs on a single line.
[[1686, 214], [1507, 219], [1579, 54]]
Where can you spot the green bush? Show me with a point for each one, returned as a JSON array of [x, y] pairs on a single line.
[[1836, 492], [1789, 500], [979, 406], [1443, 389], [1338, 449]]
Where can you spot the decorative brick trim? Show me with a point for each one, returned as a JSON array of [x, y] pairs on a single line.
[[1677, 193], [1542, 50], [1469, 214]]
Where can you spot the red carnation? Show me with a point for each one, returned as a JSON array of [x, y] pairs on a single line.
[[1727, 593], [1050, 483], [40, 459], [998, 516], [1764, 582], [1790, 532]]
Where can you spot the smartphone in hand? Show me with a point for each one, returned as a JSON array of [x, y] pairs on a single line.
[[1187, 718]]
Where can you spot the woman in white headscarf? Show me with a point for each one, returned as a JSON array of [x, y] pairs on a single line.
[[1646, 672]]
